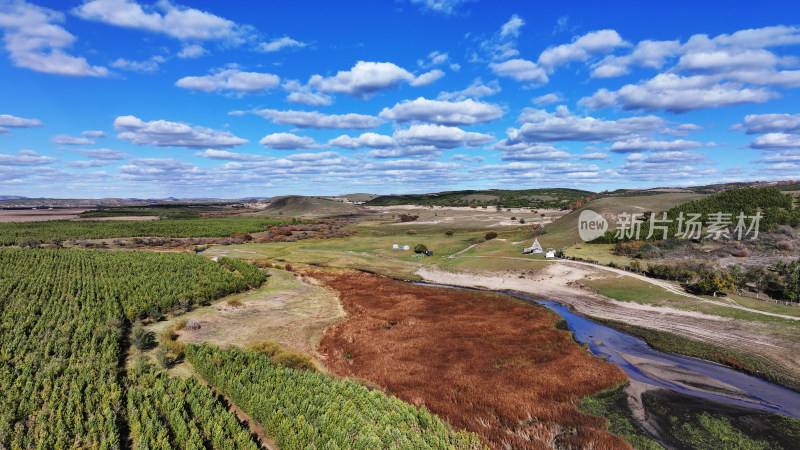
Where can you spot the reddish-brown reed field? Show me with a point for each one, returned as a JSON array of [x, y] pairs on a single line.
[[484, 362]]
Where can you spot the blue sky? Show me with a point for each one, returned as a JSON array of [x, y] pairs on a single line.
[[135, 98]]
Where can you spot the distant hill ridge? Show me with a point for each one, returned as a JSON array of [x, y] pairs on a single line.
[[534, 198]]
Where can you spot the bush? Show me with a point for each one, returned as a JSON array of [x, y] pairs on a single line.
[[713, 282], [411, 232], [448, 233], [283, 357], [420, 248], [407, 218], [741, 253], [163, 359], [490, 235], [784, 245], [292, 360], [142, 339], [30, 243]]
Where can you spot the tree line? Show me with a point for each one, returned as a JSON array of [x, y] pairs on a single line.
[[15, 233], [774, 207]]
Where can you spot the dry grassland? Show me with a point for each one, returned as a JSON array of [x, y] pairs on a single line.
[[487, 363]]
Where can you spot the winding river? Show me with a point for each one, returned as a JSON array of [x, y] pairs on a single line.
[[674, 372]]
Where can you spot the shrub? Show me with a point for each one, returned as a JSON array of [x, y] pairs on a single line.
[[420, 248], [293, 360], [30, 243], [490, 235], [411, 232], [741, 253], [266, 348], [448, 233], [162, 358], [784, 245], [407, 218], [283, 357], [234, 302], [627, 248], [142, 339], [713, 282], [522, 221]]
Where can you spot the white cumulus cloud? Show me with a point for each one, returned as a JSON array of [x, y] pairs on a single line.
[[639, 144], [542, 126], [465, 112], [365, 79], [366, 140], [520, 70], [64, 139], [162, 133], [7, 120], [477, 89], [229, 156], [582, 49], [314, 119], [35, 41], [288, 141], [280, 43], [25, 158], [230, 80], [440, 136], [164, 17]]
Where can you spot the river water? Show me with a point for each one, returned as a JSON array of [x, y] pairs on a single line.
[[674, 372]]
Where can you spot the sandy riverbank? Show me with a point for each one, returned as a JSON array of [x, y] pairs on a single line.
[[557, 282]]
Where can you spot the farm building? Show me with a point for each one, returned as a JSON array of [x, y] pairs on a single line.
[[535, 248]]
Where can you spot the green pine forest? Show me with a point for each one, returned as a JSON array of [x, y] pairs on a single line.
[[65, 321]]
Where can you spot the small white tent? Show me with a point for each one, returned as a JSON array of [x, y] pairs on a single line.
[[395, 247], [535, 248], [405, 247]]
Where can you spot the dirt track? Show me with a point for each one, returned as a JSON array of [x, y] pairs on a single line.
[[764, 340], [671, 287]]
